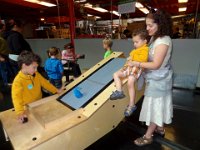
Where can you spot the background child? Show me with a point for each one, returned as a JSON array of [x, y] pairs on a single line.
[[107, 44], [70, 60], [54, 67], [26, 87], [140, 53]]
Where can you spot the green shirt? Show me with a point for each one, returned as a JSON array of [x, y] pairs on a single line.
[[107, 53]]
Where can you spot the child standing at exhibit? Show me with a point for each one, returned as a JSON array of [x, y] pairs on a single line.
[[107, 44], [140, 53], [27, 85], [54, 67]]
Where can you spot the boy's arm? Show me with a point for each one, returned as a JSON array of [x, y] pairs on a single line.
[[47, 85], [17, 98]]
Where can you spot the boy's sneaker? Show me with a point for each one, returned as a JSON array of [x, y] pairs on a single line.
[[117, 95], [129, 110]]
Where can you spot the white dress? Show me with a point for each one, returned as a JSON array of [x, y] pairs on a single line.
[[157, 104]]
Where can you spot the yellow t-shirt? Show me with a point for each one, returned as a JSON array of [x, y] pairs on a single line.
[[140, 54], [27, 89]]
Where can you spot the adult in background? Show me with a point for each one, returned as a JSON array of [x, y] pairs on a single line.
[[157, 107], [15, 39], [16, 42], [5, 71]]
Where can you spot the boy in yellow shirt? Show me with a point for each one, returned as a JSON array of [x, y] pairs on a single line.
[[140, 54], [26, 87]]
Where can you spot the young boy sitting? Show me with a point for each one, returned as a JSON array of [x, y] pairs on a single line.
[[140, 53], [26, 87], [54, 68]]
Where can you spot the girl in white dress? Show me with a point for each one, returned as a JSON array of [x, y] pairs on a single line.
[[157, 108]]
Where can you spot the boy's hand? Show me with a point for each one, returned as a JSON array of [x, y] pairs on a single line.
[[61, 90], [23, 118]]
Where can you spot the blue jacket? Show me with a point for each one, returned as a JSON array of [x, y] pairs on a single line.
[[54, 68]]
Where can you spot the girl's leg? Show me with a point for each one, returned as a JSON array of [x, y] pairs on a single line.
[[131, 90], [150, 130], [160, 128], [160, 131], [117, 78], [147, 138]]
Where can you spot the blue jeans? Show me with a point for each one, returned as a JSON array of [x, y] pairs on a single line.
[[5, 72], [56, 82]]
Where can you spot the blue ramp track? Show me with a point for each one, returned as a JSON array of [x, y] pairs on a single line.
[[93, 84]]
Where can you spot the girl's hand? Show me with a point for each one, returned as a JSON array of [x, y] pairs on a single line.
[[136, 63], [130, 63], [78, 55]]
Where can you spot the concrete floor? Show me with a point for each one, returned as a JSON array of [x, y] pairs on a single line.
[[182, 134]]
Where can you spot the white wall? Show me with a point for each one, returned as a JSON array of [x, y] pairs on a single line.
[[185, 56], [186, 61]]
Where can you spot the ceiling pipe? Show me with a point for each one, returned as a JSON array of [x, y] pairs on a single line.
[[195, 19], [72, 22], [58, 9]]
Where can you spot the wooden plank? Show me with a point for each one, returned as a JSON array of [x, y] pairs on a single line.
[[51, 125], [53, 112], [31, 134]]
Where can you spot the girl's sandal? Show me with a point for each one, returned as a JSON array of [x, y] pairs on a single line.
[[143, 141], [160, 132]]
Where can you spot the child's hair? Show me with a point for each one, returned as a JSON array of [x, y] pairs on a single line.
[[142, 34], [53, 51], [27, 58], [68, 46], [108, 41]]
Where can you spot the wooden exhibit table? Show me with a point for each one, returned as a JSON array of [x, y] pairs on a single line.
[[65, 122]]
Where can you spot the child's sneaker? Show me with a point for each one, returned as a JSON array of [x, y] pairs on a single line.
[[129, 110], [117, 95]]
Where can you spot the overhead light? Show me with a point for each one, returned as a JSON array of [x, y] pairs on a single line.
[[116, 13], [141, 8], [182, 9], [182, 1], [138, 5], [144, 10], [41, 3], [100, 9], [47, 4], [80, 1], [97, 17], [42, 19], [88, 5], [130, 20]]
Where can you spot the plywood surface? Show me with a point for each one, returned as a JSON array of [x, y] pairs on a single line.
[[49, 119], [31, 134], [52, 113]]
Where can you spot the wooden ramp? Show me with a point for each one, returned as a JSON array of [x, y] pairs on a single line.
[[56, 122]]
